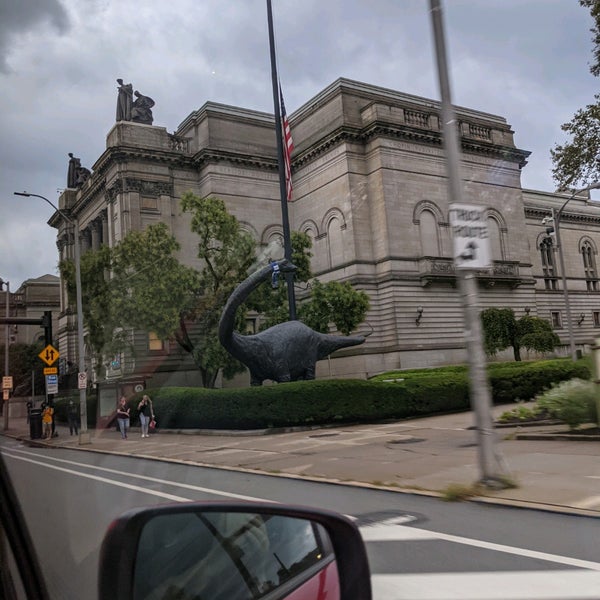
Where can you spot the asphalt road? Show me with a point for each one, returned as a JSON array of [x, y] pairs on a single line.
[[418, 547]]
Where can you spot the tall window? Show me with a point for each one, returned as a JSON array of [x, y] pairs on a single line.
[[556, 320], [548, 264], [428, 228], [589, 266], [495, 239]]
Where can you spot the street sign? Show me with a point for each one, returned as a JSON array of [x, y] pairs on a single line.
[[7, 382], [51, 384], [82, 381], [49, 355], [50, 370], [5, 394], [471, 236]]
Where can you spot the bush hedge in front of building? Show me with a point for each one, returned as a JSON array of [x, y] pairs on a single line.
[[325, 402]]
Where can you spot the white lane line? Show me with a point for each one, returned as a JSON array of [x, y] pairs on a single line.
[[403, 533], [101, 479], [497, 585], [186, 486]]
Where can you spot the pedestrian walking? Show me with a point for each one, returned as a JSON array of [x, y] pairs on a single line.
[[123, 417], [73, 417], [47, 418], [146, 412], [53, 425]]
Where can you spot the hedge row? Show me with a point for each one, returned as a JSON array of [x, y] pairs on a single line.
[[427, 392]]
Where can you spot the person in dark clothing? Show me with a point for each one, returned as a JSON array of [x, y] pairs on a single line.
[[73, 417], [146, 412]]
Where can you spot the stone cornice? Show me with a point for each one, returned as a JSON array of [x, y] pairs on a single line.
[[413, 134], [208, 155], [532, 212], [129, 153]]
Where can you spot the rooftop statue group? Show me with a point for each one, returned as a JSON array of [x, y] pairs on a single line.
[[76, 175], [128, 109]]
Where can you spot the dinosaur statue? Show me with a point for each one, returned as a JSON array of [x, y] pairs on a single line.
[[285, 352]]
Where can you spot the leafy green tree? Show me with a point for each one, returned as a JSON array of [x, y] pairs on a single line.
[[226, 253], [502, 330], [337, 303], [96, 297], [328, 303], [23, 361], [138, 283], [577, 162]]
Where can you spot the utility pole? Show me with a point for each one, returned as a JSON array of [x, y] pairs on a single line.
[[490, 468], [84, 436]]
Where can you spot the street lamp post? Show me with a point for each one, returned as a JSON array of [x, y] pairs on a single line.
[[6, 344], [556, 215], [83, 431]]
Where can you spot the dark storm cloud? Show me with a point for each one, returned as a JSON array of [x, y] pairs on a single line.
[[20, 16]]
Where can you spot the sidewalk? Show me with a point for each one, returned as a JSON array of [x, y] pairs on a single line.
[[422, 456]]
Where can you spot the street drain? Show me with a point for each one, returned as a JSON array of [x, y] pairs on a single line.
[[320, 435], [408, 439]]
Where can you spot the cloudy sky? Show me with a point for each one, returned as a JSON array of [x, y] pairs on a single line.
[[526, 60]]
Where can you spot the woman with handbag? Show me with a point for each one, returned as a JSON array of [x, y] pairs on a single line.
[[146, 413]]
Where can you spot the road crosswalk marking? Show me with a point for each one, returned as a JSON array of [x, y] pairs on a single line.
[[506, 585]]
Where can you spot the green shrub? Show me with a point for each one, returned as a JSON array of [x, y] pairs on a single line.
[[305, 403], [573, 402], [520, 413]]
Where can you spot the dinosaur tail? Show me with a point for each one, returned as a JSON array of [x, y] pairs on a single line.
[[331, 343]]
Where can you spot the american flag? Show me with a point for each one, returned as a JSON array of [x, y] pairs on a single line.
[[288, 148]]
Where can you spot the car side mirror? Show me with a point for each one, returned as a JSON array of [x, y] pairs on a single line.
[[226, 551]]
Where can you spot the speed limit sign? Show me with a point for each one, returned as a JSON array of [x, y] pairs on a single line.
[[81, 381]]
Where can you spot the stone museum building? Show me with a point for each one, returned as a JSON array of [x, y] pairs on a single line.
[[370, 189]]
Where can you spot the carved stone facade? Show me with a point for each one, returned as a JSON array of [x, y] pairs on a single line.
[[370, 189]]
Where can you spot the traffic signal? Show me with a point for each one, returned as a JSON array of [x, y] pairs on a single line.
[[550, 230], [46, 323]]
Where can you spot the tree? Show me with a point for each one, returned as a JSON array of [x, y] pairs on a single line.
[[136, 284], [577, 162], [96, 297], [502, 330], [337, 303], [226, 252], [23, 361]]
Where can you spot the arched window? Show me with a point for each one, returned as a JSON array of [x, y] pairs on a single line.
[[428, 230], [548, 263], [589, 266], [496, 252], [336, 243]]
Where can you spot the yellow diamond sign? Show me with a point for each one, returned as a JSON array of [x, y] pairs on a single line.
[[49, 355]]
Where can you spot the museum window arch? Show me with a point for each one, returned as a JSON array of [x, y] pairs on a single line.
[[588, 251], [271, 242], [497, 231], [428, 218], [334, 225], [545, 245]]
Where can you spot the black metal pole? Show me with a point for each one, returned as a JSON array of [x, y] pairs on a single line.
[[287, 240]]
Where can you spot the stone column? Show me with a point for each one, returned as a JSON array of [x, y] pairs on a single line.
[[95, 232]]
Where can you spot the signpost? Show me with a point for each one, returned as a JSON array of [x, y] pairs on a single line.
[[49, 355], [51, 384], [470, 235], [82, 381], [471, 252]]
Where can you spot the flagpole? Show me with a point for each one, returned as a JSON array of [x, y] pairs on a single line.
[[287, 241]]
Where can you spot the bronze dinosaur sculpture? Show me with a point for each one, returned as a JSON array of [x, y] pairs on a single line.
[[285, 352]]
